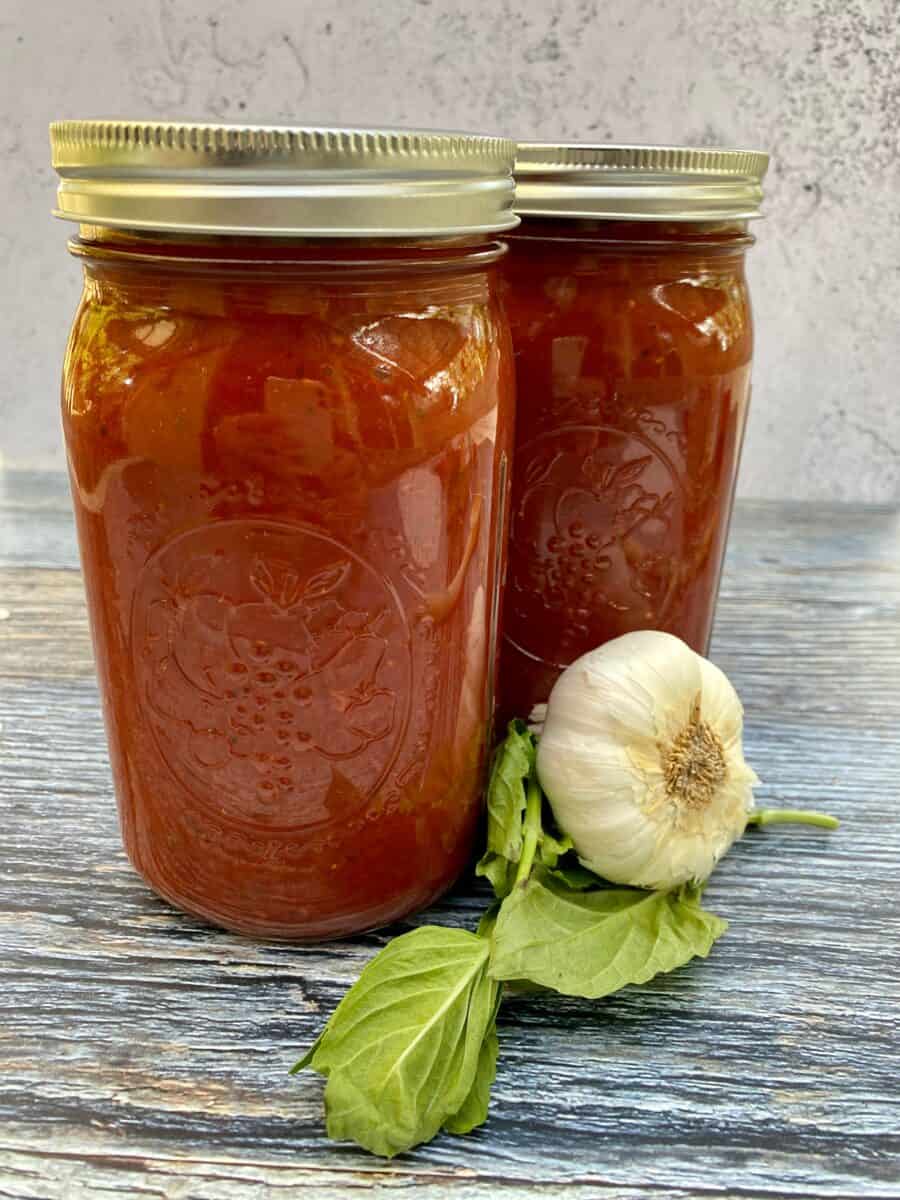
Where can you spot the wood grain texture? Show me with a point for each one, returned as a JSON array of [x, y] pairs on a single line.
[[143, 1054]]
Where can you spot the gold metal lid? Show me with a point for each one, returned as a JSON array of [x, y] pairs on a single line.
[[282, 180], [638, 183]]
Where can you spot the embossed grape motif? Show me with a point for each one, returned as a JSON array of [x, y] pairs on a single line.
[[596, 516], [272, 664]]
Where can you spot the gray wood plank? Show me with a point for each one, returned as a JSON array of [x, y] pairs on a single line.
[[37, 528], [145, 1054], [43, 624]]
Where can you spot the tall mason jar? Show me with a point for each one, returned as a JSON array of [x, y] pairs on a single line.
[[633, 341], [287, 403]]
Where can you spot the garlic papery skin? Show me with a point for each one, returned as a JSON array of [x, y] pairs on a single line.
[[641, 759]]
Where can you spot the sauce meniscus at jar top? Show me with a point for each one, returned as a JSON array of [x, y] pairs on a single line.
[[633, 340], [288, 460]]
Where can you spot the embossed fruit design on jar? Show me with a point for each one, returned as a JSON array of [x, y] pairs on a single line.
[[287, 405], [633, 339], [295, 660]]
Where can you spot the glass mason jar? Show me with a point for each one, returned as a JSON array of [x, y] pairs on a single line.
[[633, 339], [287, 403]]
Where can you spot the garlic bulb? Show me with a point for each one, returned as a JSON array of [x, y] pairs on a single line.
[[641, 759]]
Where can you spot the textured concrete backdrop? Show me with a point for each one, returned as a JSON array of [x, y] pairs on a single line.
[[815, 83]]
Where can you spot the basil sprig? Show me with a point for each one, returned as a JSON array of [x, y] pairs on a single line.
[[412, 1047]]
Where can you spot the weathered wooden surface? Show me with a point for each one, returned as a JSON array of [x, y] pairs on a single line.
[[144, 1055]]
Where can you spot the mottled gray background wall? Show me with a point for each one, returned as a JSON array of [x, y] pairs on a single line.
[[816, 82]]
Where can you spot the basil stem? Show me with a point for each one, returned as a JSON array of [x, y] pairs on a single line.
[[792, 816], [531, 829]]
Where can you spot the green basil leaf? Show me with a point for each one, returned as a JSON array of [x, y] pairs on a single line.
[[403, 1049], [592, 943], [306, 1060], [498, 871], [474, 1110], [488, 920], [475, 1107], [575, 876], [512, 765], [551, 846]]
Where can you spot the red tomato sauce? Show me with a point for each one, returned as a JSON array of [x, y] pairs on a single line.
[[289, 485], [632, 349]]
